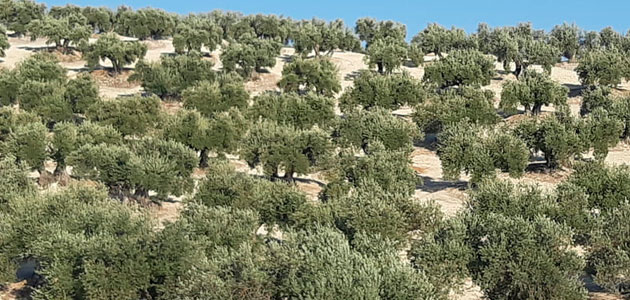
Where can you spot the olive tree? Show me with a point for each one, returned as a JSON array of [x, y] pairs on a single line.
[[362, 128], [112, 48], [314, 75], [594, 97], [68, 137], [145, 23], [195, 32], [451, 106], [390, 91], [439, 40], [17, 14], [566, 38], [210, 98], [602, 67], [250, 55], [14, 181], [557, 140], [370, 30], [322, 37], [170, 76], [28, 144], [300, 111], [101, 19], [131, 116], [387, 54], [63, 32], [476, 151], [278, 147], [460, 67], [532, 90], [4, 41]]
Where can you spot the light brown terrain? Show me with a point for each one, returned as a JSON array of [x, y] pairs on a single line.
[[451, 196]]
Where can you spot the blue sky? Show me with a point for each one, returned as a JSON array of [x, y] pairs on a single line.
[[588, 14]]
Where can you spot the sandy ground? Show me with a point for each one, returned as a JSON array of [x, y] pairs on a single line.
[[451, 196]]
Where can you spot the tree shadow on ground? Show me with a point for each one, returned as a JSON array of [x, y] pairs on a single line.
[[574, 89], [431, 185]]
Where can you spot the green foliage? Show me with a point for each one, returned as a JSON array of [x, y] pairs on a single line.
[[129, 115], [467, 148], [275, 202], [361, 128], [275, 146], [439, 40], [322, 257], [451, 106], [443, 254], [250, 54], [608, 258], [532, 90], [78, 237], [17, 14], [68, 137], [14, 181], [314, 75], [369, 208], [601, 131], [566, 38], [101, 19], [606, 187], [195, 32], [81, 92], [172, 75], [595, 97], [62, 32], [461, 67], [40, 67], [145, 23], [602, 67], [387, 54], [391, 91], [4, 41], [46, 99], [118, 52], [557, 140], [516, 258], [370, 30], [27, 143], [319, 36], [389, 169], [211, 98], [300, 111]]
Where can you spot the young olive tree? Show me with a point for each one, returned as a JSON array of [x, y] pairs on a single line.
[[145, 23], [118, 52], [314, 75], [566, 38], [532, 90]]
